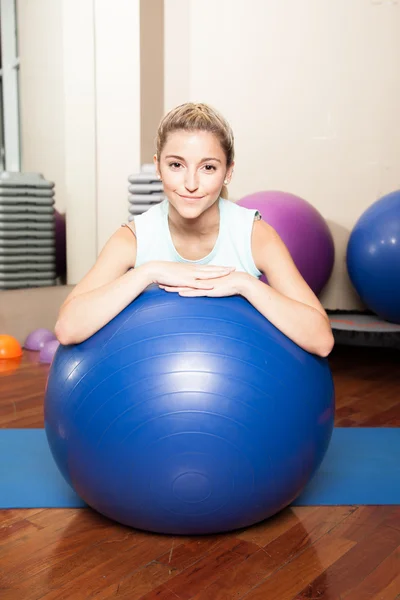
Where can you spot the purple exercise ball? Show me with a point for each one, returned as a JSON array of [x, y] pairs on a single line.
[[48, 351], [38, 338], [303, 230]]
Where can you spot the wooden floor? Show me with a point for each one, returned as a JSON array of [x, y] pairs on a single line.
[[333, 553]]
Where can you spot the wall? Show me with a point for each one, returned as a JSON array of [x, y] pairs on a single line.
[[80, 112], [151, 74], [42, 91], [80, 169], [311, 88], [43, 303], [312, 98], [118, 126]]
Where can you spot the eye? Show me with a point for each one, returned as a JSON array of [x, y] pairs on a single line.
[[175, 165], [210, 168]]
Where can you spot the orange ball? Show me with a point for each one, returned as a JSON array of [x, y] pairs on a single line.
[[9, 347]]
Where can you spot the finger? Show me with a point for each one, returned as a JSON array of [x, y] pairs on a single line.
[[201, 285], [213, 266], [206, 268], [213, 274], [173, 288], [194, 293], [176, 288], [169, 288]]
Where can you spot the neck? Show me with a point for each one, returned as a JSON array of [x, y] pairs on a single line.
[[202, 225]]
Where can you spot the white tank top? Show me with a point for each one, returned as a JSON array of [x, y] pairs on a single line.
[[232, 248]]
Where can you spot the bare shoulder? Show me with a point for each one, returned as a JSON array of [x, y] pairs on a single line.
[[129, 226], [116, 258], [120, 248], [269, 251], [263, 234], [272, 258]]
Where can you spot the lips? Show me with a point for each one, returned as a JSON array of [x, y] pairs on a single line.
[[190, 197]]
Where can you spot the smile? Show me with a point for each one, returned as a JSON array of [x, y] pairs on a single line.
[[191, 197]]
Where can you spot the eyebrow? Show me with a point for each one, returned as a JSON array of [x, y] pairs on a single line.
[[207, 159]]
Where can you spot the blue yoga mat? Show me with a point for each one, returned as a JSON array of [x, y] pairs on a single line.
[[362, 466]]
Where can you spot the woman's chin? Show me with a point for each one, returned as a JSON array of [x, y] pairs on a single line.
[[191, 211], [189, 208]]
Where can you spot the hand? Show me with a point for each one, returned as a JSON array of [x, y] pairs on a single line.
[[184, 276], [228, 285]]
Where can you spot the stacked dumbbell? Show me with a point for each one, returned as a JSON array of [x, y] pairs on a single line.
[[27, 231], [145, 190]]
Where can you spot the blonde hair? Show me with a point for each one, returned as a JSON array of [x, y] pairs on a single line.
[[197, 117]]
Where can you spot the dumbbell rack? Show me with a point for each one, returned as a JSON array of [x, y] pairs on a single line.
[[27, 231], [145, 190]]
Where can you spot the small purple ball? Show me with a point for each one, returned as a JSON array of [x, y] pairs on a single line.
[[48, 351], [38, 338]]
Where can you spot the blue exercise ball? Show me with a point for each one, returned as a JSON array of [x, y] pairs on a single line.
[[188, 415], [373, 257]]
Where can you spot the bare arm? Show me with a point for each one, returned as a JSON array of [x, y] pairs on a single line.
[[113, 283], [288, 302], [104, 292]]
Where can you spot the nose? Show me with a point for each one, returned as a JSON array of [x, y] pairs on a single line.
[[191, 183]]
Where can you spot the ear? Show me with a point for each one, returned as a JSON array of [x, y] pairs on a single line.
[[229, 173], [157, 166]]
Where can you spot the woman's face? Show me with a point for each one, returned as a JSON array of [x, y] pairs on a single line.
[[193, 169]]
